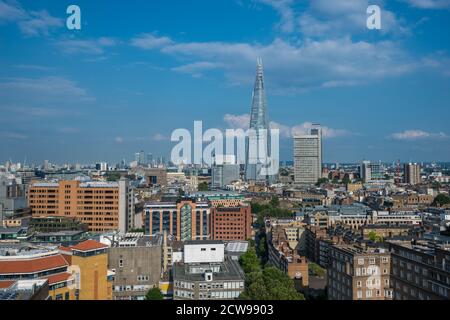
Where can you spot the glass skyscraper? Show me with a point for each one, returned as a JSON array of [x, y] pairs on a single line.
[[259, 130]]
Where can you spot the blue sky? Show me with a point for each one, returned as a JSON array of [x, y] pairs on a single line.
[[137, 70]]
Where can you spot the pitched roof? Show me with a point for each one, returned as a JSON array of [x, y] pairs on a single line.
[[57, 278], [89, 245], [32, 265], [6, 284]]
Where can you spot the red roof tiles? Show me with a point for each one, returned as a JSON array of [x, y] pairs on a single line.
[[89, 245], [32, 265]]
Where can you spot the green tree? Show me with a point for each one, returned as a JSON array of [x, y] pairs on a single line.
[[346, 180], [154, 294], [203, 186], [249, 261], [321, 181], [274, 202], [441, 200]]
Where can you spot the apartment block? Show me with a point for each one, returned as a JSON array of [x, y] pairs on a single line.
[[358, 273], [420, 271]]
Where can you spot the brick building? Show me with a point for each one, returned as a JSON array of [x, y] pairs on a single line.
[[231, 223]]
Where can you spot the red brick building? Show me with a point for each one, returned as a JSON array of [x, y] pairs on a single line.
[[231, 223]]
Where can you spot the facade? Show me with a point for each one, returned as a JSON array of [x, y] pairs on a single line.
[[357, 273], [420, 271], [286, 258], [366, 171], [412, 174], [220, 198], [137, 261], [103, 206], [12, 198], [308, 157], [186, 219], [89, 264], [224, 174], [231, 223], [206, 273], [56, 224]]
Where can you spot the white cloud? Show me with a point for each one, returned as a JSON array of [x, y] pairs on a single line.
[[90, 46], [430, 4], [242, 122], [159, 137], [35, 89], [290, 67], [237, 121], [197, 69], [150, 41], [11, 11], [286, 12], [119, 140], [32, 23], [324, 18], [417, 135], [39, 23]]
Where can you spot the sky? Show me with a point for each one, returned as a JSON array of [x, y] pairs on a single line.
[[137, 70]]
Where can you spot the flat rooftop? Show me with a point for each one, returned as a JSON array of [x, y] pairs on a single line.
[[229, 270]]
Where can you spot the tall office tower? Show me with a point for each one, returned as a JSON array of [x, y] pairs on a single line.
[[139, 157], [259, 130], [150, 159], [412, 173], [46, 165], [366, 171], [308, 157]]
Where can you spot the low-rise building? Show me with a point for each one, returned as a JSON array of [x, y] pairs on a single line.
[[206, 273], [137, 262]]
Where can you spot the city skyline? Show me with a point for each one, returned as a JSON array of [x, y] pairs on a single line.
[[107, 91]]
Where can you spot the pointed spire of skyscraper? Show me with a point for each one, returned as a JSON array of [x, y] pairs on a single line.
[[258, 116]]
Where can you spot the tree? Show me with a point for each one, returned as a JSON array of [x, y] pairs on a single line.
[[274, 202], [154, 294], [441, 200], [346, 180], [249, 261], [203, 186], [321, 181]]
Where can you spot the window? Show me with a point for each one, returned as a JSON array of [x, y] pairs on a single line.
[[359, 294], [369, 294], [120, 263], [361, 262]]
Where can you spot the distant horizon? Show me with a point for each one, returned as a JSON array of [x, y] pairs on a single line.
[[136, 72]]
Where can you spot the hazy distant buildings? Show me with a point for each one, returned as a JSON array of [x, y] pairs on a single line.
[[412, 173], [308, 157], [224, 174], [371, 171]]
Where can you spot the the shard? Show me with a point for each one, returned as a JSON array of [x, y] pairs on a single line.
[[258, 138]]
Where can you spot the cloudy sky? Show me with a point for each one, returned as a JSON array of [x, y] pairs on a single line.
[[137, 70]]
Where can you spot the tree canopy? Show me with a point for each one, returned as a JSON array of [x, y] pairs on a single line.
[[154, 294], [267, 283], [441, 199]]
